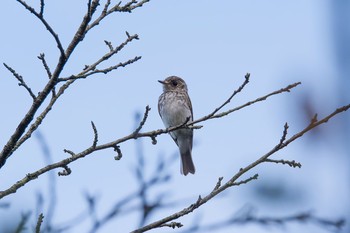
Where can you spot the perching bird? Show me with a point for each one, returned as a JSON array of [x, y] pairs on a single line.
[[175, 108]]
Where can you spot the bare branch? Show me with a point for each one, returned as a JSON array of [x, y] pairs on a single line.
[[24, 219], [172, 225], [67, 171], [42, 6], [232, 181], [292, 163], [39, 222], [128, 7], [119, 152], [284, 135], [15, 140], [299, 217], [111, 68], [40, 118], [82, 30], [105, 8], [69, 152], [91, 69], [218, 115], [160, 176], [248, 217], [152, 134], [42, 59], [314, 123], [46, 24], [255, 177], [246, 81], [145, 115], [218, 184], [89, 9], [154, 140], [110, 46], [18, 138], [286, 89], [115, 144], [21, 81], [95, 135], [49, 74]]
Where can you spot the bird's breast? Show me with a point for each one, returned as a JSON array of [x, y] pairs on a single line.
[[173, 109]]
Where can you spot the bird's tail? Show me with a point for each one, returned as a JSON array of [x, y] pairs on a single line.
[[187, 165]]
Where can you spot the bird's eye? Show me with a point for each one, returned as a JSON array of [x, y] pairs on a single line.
[[174, 83]]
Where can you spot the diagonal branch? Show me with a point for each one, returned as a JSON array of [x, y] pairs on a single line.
[[41, 57], [21, 81], [145, 115], [128, 7], [46, 24], [39, 222], [201, 201], [82, 30], [91, 69], [286, 89], [97, 71], [214, 114], [46, 67], [247, 76]]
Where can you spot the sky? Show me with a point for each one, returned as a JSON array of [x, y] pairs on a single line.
[[211, 45]]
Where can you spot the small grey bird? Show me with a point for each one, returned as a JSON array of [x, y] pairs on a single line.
[[174, 107]]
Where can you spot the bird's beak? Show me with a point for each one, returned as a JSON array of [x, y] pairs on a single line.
[[162, 82]]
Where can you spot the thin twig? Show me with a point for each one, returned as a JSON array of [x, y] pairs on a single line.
[[246, 81], [172, 225], [104, 71], [42, 6], [69, 152], [67, 171], [218, 184], [46, 24], [292, 163], [23, 222], [145, 115], [48, 71], [39, 222], [119, 152], [109, 44], [21, 81], [91, 69], [46, 67], [82, 30], [246, 180], [128, 7], [286, 89], [95, 135]]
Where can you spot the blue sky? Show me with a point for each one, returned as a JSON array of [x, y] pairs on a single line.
[[212, 46]]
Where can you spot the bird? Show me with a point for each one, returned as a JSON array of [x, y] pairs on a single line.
[[175, 108]]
